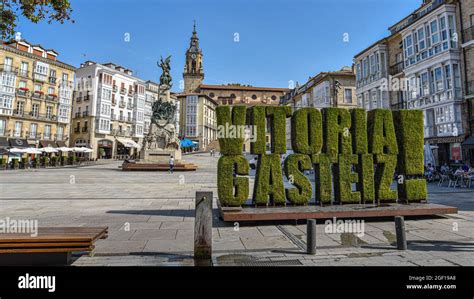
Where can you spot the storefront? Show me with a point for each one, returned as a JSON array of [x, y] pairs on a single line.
[[104, 149], [446, 149], [126, 148], [468, 149]]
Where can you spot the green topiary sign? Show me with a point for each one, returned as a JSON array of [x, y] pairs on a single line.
[[354, 155]]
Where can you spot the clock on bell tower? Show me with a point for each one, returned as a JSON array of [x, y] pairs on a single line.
[[193, 74]]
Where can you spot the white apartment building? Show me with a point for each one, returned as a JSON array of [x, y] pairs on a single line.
[[152, 92], [109, 110], [433, 72], [371, 72]]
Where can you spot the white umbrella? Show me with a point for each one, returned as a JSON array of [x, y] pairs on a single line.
[[48, 150], [15, 150], [31, 150], [65, 149], [78, 149], [88, 150]]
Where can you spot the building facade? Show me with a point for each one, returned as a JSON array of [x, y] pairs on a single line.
[[432, 61], [371, 74], [109, 110], [35, 95], [466, 26], [198, 118]]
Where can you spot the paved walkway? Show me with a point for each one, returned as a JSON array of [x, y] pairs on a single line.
[[150, 217]]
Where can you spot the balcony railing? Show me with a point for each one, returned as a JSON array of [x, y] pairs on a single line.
[[85, 113], [86, 98], [113, 117], [397, 68], [33, 135], [121, 104], [122, 118], [123, 91], [115, 88], [77, 130], [52, 80], [468, 34], [22, 92], [39, 77], [129, 106], [77, 115], [37, 95], [85, 129], [7, 68], [51, 97]]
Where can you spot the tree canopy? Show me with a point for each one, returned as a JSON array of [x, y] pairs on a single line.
[[33, 10]]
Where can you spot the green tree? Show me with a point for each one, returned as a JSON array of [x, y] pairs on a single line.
[[33, 10]]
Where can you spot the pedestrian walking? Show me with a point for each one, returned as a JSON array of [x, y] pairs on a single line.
[[171, 162]]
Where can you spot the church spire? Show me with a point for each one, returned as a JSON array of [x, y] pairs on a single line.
[[193, 74]]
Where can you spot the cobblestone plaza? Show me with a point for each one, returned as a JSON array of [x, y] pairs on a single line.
[[150, 216]]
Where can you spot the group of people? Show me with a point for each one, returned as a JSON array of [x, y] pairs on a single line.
[[464, 170]]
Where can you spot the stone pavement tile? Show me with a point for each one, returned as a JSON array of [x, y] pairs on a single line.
[[154, 234], [266, 242], [177, 225], [227, 244], [269, 231], [186, 234], [437, 235], [243, 231], [114, 246], [294, 230], [324, 240], [117, 235], [141, 225], [432, 262], [169, 246], [165, 218]]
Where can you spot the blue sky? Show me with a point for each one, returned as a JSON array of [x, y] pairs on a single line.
[[280, 40]]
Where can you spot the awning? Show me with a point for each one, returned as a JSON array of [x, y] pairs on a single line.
[[18, 142], [469, 142], [128, 142], [3, 151], [48, 143], [3, 142], [61, 144]]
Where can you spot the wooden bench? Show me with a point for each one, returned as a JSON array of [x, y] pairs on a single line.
[[52, 245]]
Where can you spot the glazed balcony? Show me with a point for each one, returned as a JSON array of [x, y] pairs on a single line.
[[40, 77], [37, 95], [51, 97]]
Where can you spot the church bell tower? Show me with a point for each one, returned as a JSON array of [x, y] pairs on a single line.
[[193, 74]]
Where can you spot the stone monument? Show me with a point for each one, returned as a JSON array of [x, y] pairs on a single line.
[[162, 142]]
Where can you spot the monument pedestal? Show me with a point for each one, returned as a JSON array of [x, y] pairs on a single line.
[[159, 156]]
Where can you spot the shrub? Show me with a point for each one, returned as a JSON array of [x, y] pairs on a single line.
[[343, 179], [323, 177], [366, 178], [25, 162], [384, 173], [226, 182], [409, 132], [277, 117], [232, 118], [307, 131], [337, 132], [359, 131], [413, 190], [62, 160], [269, 181], [72, 160], [295, 165], [54, 161], [381, 132], [258, 120], [37, 162]]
